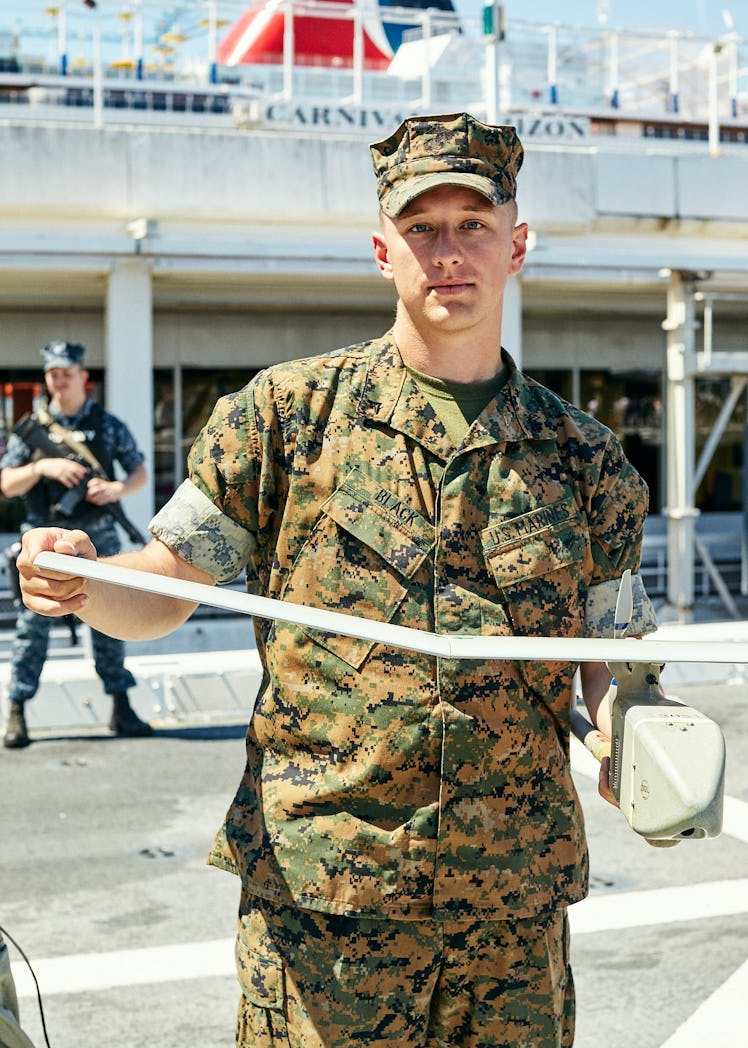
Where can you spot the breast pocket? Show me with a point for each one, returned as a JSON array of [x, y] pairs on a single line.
[[538, 560], [361, 557]]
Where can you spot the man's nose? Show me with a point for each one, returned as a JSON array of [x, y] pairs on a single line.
[[447, 248]]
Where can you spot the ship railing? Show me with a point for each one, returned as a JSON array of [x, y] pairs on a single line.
[[677, 78]]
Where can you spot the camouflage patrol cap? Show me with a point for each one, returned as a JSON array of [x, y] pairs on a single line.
[[457, 149], [62, 354]]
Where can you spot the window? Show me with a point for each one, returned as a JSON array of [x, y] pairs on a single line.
[[183, 401], [721, 488]]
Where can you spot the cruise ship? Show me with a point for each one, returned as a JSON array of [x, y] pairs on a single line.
[[186, 189]]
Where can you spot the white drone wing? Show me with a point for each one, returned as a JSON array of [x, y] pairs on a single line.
[[624, 606], [447, 646]]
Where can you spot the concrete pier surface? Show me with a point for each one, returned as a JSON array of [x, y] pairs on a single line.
[[103, 881]]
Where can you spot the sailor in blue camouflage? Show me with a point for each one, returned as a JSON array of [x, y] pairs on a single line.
[[111, 441]]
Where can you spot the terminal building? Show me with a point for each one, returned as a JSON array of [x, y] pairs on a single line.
[[196, 208]]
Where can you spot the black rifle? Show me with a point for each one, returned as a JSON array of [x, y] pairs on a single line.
[[36, 435]]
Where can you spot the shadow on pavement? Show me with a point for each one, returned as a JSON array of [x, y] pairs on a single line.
[[191, 733]]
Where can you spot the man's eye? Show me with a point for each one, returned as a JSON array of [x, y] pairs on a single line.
[[474, 223]]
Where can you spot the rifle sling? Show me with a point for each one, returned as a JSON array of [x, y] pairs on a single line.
[[114, 509], [81, 450]]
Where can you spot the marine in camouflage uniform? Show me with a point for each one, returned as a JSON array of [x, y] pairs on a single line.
[[398, 787], [406, 831], [111, 441]]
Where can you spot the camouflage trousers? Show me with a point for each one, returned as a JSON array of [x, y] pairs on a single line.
[[316, 980], [30, 644]]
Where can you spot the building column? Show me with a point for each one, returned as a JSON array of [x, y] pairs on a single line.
[[680, 416], [511, 320], [128, 356]]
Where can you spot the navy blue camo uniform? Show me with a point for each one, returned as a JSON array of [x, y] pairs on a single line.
[[110, 441]]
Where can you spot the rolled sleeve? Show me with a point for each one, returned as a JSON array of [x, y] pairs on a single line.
[[601, 606], [197, 531]]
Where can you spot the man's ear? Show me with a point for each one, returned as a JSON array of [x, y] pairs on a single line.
[[381, 255], [519, 247]]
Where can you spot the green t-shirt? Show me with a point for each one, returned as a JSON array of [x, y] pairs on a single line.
[[458, 404]]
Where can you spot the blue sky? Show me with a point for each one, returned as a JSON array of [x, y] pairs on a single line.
[[701, 16]]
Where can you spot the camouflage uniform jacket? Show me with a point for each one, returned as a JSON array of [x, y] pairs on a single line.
[[380, 782]]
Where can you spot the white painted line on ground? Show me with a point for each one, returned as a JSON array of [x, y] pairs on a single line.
[[719, 1020], [688, 902], [84, 972], [735, 819]]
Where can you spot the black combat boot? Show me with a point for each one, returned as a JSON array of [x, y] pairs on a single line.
[[16, 735], [125, 720]]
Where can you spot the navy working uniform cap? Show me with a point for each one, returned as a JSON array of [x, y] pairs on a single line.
[[62, 355], [457, 149]]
